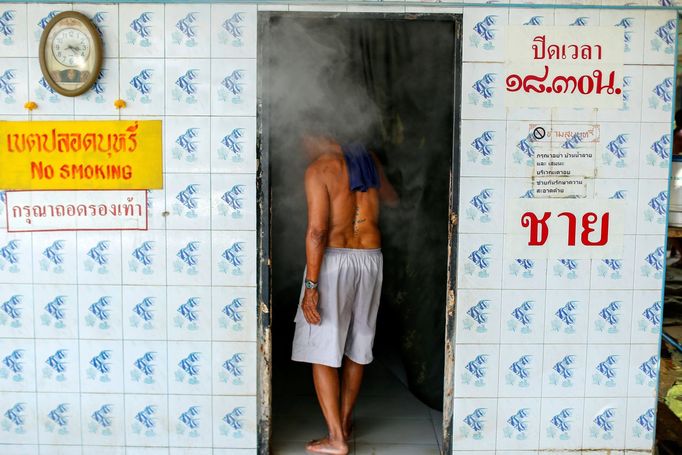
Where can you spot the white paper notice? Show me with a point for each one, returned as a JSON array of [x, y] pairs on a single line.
[[31, 211]]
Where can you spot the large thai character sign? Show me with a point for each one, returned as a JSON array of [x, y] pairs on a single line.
[[575, 228]]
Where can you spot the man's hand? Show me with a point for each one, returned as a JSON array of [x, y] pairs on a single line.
[[309, 306]]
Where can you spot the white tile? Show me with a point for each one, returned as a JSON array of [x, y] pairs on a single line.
[[484, 34], [234, 258], [16, 258], [233, 144], [17, 370], [54, 257], [576, 17], [189, 421], [105, 19], [531, 16], [233, 87], [234, 368], [563, 371], [474, 424], [481, 205], [522, 316], [99, 257], [604, 423], [99, 308], [479, 261], [187, 144], [524, 273], [616, 272], [652, 208], [188, 86], [233, 31], [16, 311], [189, 258], [189, 313], [100, 98], [233, 201], [144, 312], [476, 370], [478, 316], [641, 424], [650, 262], [520, 370], [630, 109], [234, 314], [101, 366], [567, 273], [14, 33], [39, 15], [57, 366], [655, 150], [618, 150], [146, 420], [56, 311], [188, 199], [483, 143], [142, 86], [234, 424], [102, 419], [18, 418], [141, 30], [15, 78], [607, 370], [518, 423], [657, 93], [610, 318], [647, 315], [625, 189], [566, 316], [561, 423], [660, 37], [145, 367], [631, 23], [59, 419], [643, 371], [482, 91], [144, 257], [187, 29], [189, 367]]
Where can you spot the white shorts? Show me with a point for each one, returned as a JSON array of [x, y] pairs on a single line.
[[350, 289]]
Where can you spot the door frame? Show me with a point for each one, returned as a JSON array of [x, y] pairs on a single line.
[[264, 227]]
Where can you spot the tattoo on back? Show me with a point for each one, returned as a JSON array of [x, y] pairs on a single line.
[[357, 220]]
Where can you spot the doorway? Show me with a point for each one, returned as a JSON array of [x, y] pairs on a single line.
[[389, 82]]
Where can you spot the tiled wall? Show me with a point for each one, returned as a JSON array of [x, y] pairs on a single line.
[[173, 363], [179, 345]]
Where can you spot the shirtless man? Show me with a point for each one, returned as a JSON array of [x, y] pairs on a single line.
[[335, 322]]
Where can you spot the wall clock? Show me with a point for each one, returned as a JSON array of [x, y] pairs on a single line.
[[70, 53]]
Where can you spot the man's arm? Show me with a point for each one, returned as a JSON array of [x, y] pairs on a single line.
[[387, 193], [315, 238]]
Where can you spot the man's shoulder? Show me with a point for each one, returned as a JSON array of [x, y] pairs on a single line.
[[325, 163]]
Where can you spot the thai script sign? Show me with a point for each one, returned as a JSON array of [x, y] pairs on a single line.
[[76, 155], [575, 228], [30, 211], [570, 66]]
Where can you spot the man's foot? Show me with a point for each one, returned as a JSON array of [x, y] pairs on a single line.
[[328, 446]]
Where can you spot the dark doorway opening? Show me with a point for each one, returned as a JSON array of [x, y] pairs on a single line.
[[388, 81]]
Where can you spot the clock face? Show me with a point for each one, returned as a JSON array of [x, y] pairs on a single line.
[[71, 47], [70, 53]]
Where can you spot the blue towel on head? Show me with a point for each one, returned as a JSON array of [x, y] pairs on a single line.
[[362, 172]]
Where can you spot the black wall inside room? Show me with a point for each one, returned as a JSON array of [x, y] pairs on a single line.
[[389, 83]]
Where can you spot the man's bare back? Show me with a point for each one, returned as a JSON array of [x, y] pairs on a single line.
[[353, 216]]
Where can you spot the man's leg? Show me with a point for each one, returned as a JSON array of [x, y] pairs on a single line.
[[350, 383], [327, 387]]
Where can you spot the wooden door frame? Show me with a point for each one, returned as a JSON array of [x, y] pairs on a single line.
[[263, 226]]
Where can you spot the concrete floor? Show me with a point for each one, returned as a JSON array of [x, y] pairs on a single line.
[[388, 418]]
